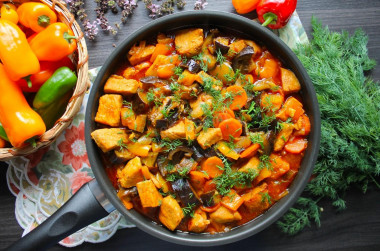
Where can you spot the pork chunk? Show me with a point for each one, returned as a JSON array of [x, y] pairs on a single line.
[[255, 199], [109, 109], [149, 195], [120, 85], [109, 138], [290, 83], [283, 136], [189, 42], [209, 137], [175, 132], [170, 213], [131, 174], [199, 222], [224, 215]]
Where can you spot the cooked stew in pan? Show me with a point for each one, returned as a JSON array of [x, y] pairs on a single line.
[[201, 131]]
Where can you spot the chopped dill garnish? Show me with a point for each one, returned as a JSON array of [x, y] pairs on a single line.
[[219, 57], [121, 144], [265, 197], [189, 210], [231, 178], [170, 145]]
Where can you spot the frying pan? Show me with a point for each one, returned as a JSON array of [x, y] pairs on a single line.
[[98, 197]]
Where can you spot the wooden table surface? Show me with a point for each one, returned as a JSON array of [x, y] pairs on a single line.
[[357, 227]]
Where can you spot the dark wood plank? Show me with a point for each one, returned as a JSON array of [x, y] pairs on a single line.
[[357, 227]]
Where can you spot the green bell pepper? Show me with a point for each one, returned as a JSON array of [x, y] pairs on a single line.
[[51, 113], [3, 134], [62, 80]]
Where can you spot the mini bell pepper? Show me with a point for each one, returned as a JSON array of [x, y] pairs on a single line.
[[8, 12], [46, 71], [36, 16], [57, 86], [245, 6], [51, 113], [15, 53], [54, 43], [3, 134], [275, 13], [19, 120]]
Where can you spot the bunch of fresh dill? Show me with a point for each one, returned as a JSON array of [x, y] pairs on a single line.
[[350, 110]]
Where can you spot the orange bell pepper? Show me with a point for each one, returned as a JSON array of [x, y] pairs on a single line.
[[15, 53], [36, 16], [8, 12], [47, 69], [54, 43], [19, 120]]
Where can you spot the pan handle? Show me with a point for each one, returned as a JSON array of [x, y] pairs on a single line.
[[83, 208]]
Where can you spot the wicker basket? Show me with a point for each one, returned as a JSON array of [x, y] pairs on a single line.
[[81, 59]]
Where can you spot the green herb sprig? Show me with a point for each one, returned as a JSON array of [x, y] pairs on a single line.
[[350, 110]]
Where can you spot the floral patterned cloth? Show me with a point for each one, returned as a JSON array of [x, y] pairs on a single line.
[[44, 181]]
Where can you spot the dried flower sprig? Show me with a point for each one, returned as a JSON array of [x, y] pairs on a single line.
[[167, 7], [200, 4], [91, 28]]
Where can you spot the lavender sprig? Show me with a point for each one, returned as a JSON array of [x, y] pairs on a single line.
[[91, 28], [200, 4]]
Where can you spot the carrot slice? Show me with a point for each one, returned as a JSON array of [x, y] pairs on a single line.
[[232, 201], [161, 49], [198, 179], [209, 186], [297, 145], [250, 151], [219, 117], [239, 99], [213, 166], [231, 128]]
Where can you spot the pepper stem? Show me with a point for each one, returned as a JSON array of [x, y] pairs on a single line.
[[68, 37], [269, 18], [43, 21], [27, 79]]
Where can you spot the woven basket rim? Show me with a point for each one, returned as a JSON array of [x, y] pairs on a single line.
[[75, 102]]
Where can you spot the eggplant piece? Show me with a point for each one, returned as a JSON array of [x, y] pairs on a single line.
[[151, 80], [184, 166], [221, 44], [162, 163], [129, 192], [193, 66], [185, 192], [187, 152], [241, 60], [208, 199], [245, 128], [197, 154], [200, 153], [210, 152], [162, 124], [114, 159], [268, 142]]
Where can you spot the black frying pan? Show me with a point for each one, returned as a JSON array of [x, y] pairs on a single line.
[[97, 198]]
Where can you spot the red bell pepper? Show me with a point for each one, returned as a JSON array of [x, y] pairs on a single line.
[[275, 13], [47, 69]]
